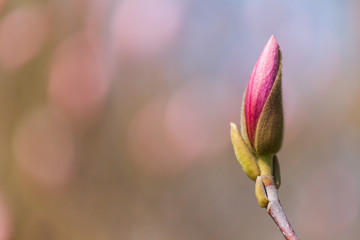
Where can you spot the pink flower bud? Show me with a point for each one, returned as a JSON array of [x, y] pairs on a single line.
[[261, 85]]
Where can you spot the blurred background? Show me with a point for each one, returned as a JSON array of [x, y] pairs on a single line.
[[114, 118]]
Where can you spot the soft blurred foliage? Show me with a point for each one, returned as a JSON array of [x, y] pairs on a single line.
[[114, 118]]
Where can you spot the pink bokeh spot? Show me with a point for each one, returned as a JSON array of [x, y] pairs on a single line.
[[260, 84], [186, 123], [44, 149], [2, 2], [149, 148], [143, 28], [6, 221], [156, 147], [78, 84], [22, 35]]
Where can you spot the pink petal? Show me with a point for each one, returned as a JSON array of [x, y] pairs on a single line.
[[260, 84]]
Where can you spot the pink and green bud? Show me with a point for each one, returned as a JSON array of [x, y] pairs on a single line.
[[261, 123], [262, 117], [261, 134], [262, 107]]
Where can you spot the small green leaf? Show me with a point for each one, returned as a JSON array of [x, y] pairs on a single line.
[[243, 154]]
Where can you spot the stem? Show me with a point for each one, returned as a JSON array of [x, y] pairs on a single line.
[[265, 164], [275, 210]]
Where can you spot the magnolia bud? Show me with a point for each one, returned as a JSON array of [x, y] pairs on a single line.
[[261, 120], [262, 107]]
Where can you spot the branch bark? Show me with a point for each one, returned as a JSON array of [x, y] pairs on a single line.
[[275, 210]]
